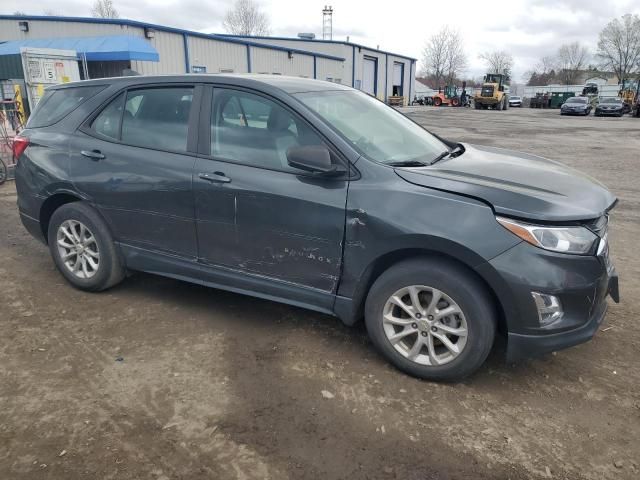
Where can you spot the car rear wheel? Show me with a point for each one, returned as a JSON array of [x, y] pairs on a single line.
[[431, 319], [82, 248]]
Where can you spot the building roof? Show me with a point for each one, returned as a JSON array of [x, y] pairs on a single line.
[[298, 39], [135, 23], [103, 48]]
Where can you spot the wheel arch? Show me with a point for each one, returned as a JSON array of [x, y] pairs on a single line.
[[50, 205], [354, 312]]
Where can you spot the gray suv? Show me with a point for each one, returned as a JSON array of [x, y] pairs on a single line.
[[319, 196]]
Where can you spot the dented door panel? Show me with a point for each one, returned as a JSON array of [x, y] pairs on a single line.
[[278, 224]]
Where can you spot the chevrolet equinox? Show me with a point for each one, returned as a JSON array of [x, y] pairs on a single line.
[[318, 195]]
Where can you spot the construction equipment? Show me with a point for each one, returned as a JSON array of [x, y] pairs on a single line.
[[590, 91], [628, 93], [541, 100], [447, 97], [493, 93], [636, 104]]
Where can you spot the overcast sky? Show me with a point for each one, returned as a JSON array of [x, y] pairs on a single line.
[[529, 29]]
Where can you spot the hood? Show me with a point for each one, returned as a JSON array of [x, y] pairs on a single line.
[[517, 184]]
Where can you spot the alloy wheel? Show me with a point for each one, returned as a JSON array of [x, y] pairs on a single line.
[[425, 325], [78, 249]]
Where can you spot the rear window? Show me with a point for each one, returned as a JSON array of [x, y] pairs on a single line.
[[57, 104]]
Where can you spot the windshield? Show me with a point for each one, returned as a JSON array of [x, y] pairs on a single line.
[[610, 100], [577, 100], [515, 97], [376, 130]]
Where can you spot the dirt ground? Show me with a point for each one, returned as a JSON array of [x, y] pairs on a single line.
[[159, 379]]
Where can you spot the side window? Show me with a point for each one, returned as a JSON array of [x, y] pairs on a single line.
[[107, 123], [256, 131], [157, 118]]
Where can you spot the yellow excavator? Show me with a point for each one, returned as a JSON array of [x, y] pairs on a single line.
[[493, 93], [628, 94]]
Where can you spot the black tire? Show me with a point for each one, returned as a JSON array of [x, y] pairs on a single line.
[[456, 282], [110, 270]]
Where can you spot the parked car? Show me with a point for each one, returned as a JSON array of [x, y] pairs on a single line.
[[576, 106], [320, 196], [515, 101], [610, 106]]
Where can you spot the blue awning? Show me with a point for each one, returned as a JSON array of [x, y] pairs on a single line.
[[113, 47]]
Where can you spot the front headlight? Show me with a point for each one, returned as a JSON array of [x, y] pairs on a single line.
[[574, 240]]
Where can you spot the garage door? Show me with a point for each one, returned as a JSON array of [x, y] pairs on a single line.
[[398, 74], [369, 75]]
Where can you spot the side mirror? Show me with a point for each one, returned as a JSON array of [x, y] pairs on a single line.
[[311, 158]]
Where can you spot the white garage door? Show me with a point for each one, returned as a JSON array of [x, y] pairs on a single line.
[[397, 78], [369, 76]]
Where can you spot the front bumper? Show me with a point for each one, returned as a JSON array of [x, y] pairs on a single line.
[[522, 346], [486, 100], [582, 283], [616, 113], [573, 112]]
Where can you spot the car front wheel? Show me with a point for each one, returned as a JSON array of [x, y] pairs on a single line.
[[431, 319], [82, 248]]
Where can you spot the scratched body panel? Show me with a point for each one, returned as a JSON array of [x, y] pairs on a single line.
[[145, 195], [277, 224], [387, 214]]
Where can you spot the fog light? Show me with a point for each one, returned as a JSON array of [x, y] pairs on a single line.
[[549, 308]]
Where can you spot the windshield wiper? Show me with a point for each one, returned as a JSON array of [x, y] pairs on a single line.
[[408, 163], [454, 152]]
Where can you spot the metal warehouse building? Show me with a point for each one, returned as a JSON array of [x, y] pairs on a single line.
[[172, 50]]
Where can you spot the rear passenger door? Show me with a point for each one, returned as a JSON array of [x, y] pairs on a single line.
[[254, 212], [134, 160]]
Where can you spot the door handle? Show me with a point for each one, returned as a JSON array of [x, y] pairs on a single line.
[[93, 154], [216, 177]]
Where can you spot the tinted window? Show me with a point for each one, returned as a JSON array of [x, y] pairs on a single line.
[[157, 118], [107, 123], [57, 104], [253, 130], [576, 100], [611, 100]]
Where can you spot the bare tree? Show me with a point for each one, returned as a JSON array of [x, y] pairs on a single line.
[[246, 18], [619, 45], [104, 9], [571, 58], [545, 65], [498, 61], [19, 13], [456, 59], [443, 57]]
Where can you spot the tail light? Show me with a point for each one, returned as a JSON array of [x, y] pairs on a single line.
[[20, 144]]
